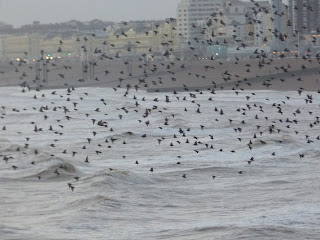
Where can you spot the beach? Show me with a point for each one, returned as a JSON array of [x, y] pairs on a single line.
[[275, 74]]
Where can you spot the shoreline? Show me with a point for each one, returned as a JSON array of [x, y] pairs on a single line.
[[282, 75]]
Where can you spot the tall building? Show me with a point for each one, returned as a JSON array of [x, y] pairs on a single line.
[[304, 15], [262, 35], [277, 13], [235, 12], [277, 28], [192, 16]]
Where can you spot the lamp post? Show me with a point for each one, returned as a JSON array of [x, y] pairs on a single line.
[[129, 48]]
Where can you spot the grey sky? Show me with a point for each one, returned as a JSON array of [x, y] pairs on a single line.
[[20, 12]]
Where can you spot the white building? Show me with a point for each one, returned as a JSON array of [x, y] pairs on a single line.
[[192, 16], [262, 29], [236, 12]]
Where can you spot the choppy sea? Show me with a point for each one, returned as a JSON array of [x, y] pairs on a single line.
[[110, 140]]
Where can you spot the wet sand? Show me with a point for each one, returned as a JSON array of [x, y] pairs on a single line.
[[277, 74]]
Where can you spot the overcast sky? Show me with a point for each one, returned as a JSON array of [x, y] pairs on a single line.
[[20, 12]]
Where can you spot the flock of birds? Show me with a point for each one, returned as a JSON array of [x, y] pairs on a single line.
[[64, 113]]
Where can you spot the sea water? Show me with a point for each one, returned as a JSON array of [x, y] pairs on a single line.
[[276, 196]]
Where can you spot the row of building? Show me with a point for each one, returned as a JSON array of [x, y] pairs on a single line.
[[114, 40], [208, 27], [263, 24], [304, 16]]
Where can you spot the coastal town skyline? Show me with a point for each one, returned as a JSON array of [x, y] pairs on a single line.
[[18, 13], [84, 10]]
